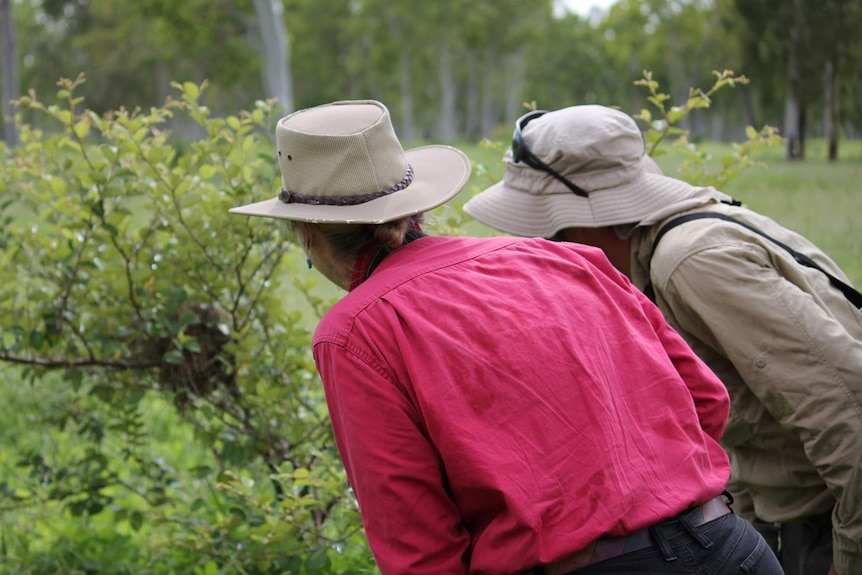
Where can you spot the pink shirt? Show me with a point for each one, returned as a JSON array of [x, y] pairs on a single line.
[[501, 403]]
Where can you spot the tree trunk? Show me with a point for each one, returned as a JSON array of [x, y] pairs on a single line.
[[792, 109], [447, 124], [276, 53], [515, 71], [832, 112], [407, 133], [635, 97], [489, 91], [408, 126], [679, 84], [791, 124], [9, 63], [803, 126], [747, 105], [471, 121]]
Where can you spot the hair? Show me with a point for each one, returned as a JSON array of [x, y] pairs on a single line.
[[348, 240]]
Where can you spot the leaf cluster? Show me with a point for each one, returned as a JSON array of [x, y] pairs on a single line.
[[665, 124]]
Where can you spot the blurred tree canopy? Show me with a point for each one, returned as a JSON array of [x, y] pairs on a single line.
[[459, 68]]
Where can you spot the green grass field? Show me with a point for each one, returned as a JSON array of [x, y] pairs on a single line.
[[819, 199]]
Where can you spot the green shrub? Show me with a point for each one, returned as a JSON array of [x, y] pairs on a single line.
[[134, 305]]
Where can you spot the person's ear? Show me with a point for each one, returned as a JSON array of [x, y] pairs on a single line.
[[304, 235]]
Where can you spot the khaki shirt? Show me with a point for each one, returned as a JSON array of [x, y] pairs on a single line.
[[788, 346]]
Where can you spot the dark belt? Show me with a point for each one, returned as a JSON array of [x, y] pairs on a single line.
[[608, 547]]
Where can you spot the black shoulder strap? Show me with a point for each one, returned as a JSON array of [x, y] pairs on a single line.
[[849, 292]]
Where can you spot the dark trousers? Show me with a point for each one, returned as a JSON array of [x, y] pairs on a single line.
[[805, 547], [727, 545]]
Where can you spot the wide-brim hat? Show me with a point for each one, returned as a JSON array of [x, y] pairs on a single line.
[[599, 149], [342, 163]]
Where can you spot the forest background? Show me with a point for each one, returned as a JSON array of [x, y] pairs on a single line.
[[455, 68], [161, 411]]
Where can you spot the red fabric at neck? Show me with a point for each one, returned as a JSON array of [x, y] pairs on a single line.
[[360, 268]]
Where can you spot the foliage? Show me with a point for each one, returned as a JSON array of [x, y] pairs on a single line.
[[774, 31], [130, 49], [461, 71], [584, 61], [129, 290], [666, 124], [446, 69]]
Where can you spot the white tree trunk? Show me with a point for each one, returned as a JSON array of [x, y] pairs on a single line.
[[9, 67], [516, 68], [447, 126], [832, 111], [407, 134], [276, 52], [488, 119], [792, 109], [408, 126], [791, 123], [471, 120]]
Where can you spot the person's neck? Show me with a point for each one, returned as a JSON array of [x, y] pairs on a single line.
[[373, 255], [618, 250]]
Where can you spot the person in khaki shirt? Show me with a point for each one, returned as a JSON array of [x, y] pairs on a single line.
[[785, 342]]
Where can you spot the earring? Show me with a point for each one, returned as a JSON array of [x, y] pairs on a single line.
[[306, 247]]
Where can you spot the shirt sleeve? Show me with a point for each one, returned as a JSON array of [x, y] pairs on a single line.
[[708, 392], [412, 524], [796, 358]]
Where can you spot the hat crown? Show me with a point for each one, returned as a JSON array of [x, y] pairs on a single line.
[[346, 148], [342, 163], [601, 150], [595, 146]]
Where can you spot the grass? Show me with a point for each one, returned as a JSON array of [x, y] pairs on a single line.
[[816, 198]]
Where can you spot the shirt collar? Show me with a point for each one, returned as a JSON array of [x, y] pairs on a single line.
[[642, 239], [371, 256], [360, 268]]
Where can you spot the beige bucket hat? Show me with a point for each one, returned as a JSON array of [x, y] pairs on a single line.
[[601, 151], [342, 163]]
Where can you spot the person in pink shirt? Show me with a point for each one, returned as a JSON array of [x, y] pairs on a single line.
[[501, 405]]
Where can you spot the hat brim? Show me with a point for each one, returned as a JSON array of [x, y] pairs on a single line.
[[439, 173], [522, 213]]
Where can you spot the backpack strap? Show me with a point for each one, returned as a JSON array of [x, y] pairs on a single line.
[[849, 292]]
